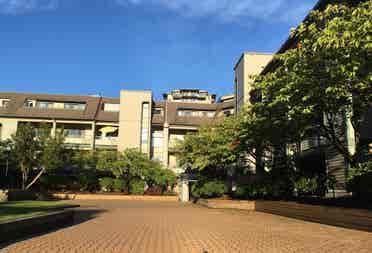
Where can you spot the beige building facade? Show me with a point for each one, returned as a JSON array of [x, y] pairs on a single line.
[[250, 64], [133, 120]]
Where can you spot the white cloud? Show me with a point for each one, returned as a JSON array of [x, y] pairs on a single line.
[[15, 7], [230, 10]]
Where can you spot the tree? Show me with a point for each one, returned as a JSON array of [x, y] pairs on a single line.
[[133, 165], [52, 151], [326, 79], [210, 147], [26, 150], [36, 149]]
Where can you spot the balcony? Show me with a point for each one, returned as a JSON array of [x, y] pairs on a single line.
[[106, 141]]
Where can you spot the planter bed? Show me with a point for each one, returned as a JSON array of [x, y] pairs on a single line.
[[337, 216], [111, 196]]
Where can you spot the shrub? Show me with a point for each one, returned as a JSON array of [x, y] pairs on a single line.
[[211, 189], [119, 185], [137, 186], [306, 186], [55, 182], [241, 192], [88, 181], [254, 190], [106, 184], [359, 181]]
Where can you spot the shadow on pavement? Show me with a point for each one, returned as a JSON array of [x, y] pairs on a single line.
[[80, 216]]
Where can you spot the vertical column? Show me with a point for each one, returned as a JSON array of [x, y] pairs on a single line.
[[166, 144], [54, 128], [93, 140]]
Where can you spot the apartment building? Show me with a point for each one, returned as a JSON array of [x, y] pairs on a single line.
[[133, 120]]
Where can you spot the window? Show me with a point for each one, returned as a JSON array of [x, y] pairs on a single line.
[[157, 111], [74, 106], [74, 133], [44, 104], [4, 102], [107, 107], [191, 113], [30, 103], [56, 105], [157, 139], [145, 121]]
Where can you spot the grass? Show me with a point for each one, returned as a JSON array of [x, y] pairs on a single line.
[[24, 209]]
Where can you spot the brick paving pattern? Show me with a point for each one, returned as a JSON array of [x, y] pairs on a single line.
[[135, 226]]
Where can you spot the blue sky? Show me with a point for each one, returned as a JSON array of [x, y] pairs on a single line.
[[101, 46]]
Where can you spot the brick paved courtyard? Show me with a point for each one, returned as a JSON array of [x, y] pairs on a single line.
[[134, 226]]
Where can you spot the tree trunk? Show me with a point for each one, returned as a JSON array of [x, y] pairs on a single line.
[[24, 176], [35, 179]]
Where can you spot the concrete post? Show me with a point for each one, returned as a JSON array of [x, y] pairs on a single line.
[[184, 194], [93, 137], [166, 144], [54, 128]]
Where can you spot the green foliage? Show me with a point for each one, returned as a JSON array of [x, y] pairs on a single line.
[[210, 147], [37, 148], [106, 184], [137, 186], [306, 186], [132, 165], [55, 182], [88, 181], [25, 150], [85, 160], [53, 152], [211, 189], [328, 73], [359, 181], [260, 190], [119, 185]]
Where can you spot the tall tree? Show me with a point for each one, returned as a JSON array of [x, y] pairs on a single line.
[[37, 149], [26, 150], [326, 79]]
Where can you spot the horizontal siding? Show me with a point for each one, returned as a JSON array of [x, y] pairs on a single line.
[[336, 166]]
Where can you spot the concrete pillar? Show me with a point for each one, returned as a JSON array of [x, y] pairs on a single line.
[[184, 193], [350, 135], [54, 128], [166, 144], [93, 137]]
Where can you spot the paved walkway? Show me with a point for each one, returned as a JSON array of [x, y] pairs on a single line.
[[120, 227]]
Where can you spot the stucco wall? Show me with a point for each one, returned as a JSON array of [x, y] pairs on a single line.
[[130, 118]]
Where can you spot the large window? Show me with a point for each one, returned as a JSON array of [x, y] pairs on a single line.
[[74, 133], [75, 106], [192, 113], [145, 127], [57, 105], [107, 107]]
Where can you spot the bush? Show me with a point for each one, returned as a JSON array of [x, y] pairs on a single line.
[[137, 186], [306, 186], [88, 181], [106, 184], [55, 182], [210, 189], [119, 185], [254, 191], [359, 181], [18, 195]]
